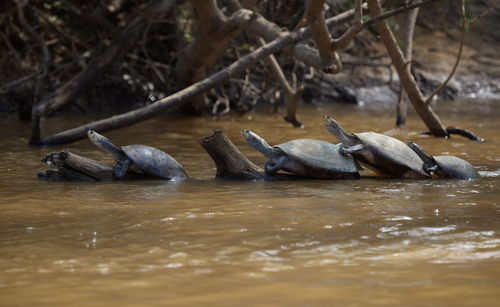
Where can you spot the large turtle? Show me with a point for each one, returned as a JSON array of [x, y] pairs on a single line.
[[146, 159], [384, 154], [305, 157], [445, 166]]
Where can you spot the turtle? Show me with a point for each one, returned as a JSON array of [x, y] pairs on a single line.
[[305, 157], [144, 158], [386, 155], [445, 166]]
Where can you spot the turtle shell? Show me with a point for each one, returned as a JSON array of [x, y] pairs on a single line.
[[316, 158], [154, 162], [454, 167], [389, 156]]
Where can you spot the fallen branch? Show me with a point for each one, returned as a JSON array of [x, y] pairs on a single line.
[[172, 101], [73, 167]]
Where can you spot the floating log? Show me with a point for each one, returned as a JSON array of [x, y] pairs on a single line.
[[232, 164], [73, 167]]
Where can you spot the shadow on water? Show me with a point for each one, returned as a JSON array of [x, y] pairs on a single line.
[[366, 242]]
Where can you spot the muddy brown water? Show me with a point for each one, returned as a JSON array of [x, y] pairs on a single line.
[[221, 243]]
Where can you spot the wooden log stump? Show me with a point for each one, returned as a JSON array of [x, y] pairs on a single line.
[[232, 164]]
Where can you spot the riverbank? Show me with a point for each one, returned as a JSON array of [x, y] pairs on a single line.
[[434, 55], [367, 76]]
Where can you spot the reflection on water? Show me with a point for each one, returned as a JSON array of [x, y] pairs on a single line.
[[156, 243]]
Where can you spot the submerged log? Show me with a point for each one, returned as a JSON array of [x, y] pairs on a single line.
[[232, 164], [462, 132], [63, 174], [73, 167]]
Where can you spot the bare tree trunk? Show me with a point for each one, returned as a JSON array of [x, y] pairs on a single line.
[[406, 24], [208, 45], [425, 112], [213, 34]]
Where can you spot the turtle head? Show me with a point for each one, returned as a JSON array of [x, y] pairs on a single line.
[[331, 124], [258, 143], [96, 138], [100, 140], [252, 138], [334, 127]]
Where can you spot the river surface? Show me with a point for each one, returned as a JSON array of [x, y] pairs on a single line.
[[368, 242]]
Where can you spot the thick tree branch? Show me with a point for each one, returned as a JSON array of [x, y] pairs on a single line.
[[213, 34], [321, 36], [430, 118]]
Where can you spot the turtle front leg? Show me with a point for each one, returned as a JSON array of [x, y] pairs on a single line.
[[273, 166], [121, 168], [349, 150]]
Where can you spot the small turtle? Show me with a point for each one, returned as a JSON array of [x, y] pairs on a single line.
[[147, 159], [305, 157], [445, 166], [384, 154]]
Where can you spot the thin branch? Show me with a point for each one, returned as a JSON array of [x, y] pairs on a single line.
[[459, 56], [291, 94], [345, 39], [45, 51]]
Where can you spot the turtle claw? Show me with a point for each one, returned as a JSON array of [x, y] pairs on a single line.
[[343, 150], [430, 169], [349, 150]]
